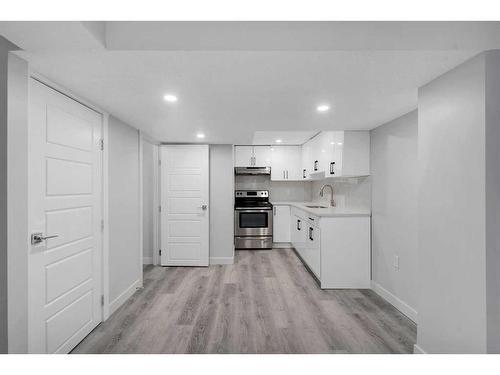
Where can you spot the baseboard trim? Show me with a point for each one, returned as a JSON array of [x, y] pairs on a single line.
[[418, 350], [124, 296], [406, 309], [282, 245], [147, 260], [221, 260]]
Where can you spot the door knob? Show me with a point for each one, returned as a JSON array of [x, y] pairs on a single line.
[[204, 207], [38, 237]]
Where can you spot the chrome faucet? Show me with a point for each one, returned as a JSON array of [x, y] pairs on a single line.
[[332, 201]]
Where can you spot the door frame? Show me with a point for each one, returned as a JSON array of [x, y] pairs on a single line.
[[144, 138], [18, 221], [104, 182]]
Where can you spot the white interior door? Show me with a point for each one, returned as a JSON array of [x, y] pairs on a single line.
[[184, 203], [65, 201]]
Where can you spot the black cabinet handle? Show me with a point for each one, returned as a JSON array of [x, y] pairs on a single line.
[[311, 219], [332, 167], [315, 165], [298, 225], [303, 173], [311, 234]]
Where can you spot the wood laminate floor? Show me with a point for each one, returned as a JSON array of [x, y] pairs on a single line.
[[264, 303]]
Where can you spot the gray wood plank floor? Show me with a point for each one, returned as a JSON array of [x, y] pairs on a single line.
[[264, 303]]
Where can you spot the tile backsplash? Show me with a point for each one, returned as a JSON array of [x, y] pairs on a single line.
[[349, 192], [295, 191], [352, 192]]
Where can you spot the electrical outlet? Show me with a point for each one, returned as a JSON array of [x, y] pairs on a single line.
[[396, 262]]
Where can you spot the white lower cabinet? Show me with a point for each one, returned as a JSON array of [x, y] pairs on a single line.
[[335, 249], [281, 223]]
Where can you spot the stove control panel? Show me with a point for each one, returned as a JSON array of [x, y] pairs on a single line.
[[251, 193]]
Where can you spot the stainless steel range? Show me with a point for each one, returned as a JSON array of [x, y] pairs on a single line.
[[253, 220]]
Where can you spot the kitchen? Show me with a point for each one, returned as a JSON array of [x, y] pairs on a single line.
[[330, 233]]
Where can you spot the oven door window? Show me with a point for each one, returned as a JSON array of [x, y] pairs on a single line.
[[253, 219]]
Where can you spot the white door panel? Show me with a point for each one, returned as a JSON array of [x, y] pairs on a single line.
[[184, 193], [65, 200]]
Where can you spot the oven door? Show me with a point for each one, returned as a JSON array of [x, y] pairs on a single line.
[[248, 222]]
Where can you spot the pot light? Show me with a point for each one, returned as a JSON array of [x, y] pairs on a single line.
[[171, 98], [200, 135], [278, 141], [323, 108]]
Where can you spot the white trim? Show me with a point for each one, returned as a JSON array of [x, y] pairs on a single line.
[[221, 260], [141, 206], [418, 350], [406, 309], [46, 81], [147, 260], [124, 296], [282, 245], [156, 197], [105, 217]]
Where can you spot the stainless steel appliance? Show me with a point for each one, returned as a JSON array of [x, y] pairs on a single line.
[[252, 171], [253, 220]]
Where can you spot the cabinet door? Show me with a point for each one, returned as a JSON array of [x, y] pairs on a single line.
[[263, 156], [293, 163], [286, 163], [281, 224], [278, 163], [243, 156], [306, 161], [313, 249], [331, 150], [315, 154], [299, 229]]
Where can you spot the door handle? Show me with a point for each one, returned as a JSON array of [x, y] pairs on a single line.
[[204, 207], [38, 237], [283, 175], [299, 227], [311, 234]]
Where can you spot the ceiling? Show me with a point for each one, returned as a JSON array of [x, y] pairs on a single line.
[[235, 79], [282, 137]]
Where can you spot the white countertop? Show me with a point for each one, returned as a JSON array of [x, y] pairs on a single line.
[[325, 212]]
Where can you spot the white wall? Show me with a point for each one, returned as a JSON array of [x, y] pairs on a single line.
[[221, 204], [4, 55], [493, 200], [148, 190], [125, 258], [295, 191], [394, 167], [457, 232]]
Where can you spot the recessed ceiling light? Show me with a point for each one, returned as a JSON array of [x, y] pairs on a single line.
[[171, 98], [200, 135], [323, 108], [279, 141]]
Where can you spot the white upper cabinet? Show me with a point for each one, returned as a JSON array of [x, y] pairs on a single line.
[[306, 161], [338, 153], [243, 156], [252, 156], [263, 156], [286, 163]]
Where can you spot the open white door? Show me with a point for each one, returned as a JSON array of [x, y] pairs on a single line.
[[184, 202], [65, 202]]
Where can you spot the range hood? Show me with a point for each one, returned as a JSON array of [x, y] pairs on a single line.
[[252, 171]]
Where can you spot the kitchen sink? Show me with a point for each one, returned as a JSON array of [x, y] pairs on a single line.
[[316, 207]]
